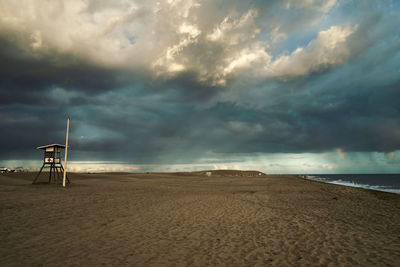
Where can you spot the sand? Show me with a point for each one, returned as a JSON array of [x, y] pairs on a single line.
[[195, 220]]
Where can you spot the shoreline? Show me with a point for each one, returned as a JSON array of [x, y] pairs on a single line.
[[320, 178]]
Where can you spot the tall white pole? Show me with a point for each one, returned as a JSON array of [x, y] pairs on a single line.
[[66, 152]]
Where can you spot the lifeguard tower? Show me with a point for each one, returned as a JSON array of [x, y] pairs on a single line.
[[52, 159]]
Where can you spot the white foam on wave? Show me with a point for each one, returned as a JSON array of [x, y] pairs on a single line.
[[352, 184]]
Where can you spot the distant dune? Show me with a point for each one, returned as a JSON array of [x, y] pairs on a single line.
[[221, 173], [234, 218]]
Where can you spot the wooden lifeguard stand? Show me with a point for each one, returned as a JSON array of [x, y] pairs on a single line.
[[52, 159]]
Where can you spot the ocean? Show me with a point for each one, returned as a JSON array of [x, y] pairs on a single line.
[[380, 182]]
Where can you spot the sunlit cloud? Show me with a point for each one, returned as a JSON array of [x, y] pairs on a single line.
[[127, 34], [327, 50]]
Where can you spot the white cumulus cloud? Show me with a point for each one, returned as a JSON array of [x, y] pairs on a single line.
[[328, 49]]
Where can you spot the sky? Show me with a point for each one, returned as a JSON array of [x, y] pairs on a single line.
[[288, 86]]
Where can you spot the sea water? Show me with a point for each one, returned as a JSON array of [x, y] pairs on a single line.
[[380, 182]]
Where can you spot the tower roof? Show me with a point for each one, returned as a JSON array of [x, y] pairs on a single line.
[[52, 145]]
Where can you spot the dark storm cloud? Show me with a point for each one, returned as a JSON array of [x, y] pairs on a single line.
[[198, 91], [245, 80], [37, 91], [24, 128], [27, 79]]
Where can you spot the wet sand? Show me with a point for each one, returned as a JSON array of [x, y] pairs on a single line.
[[189, 219]]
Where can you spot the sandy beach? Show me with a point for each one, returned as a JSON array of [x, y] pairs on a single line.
[[189, 219]]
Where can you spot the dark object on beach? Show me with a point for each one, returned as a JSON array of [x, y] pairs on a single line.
[[52, 159], [5, 170]]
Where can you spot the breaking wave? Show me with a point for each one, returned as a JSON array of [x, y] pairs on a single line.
[[348, 182]]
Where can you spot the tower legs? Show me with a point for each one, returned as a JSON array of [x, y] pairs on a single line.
[[51, 168], [54, 172], [37, 176]]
